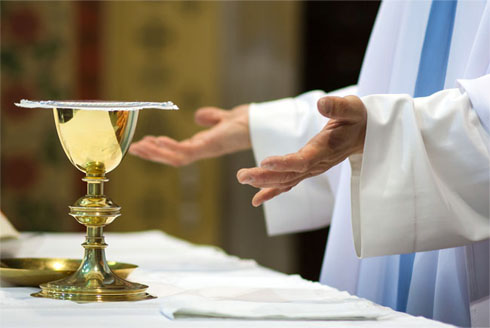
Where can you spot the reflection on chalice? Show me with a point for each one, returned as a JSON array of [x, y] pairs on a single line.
[[95, 137]]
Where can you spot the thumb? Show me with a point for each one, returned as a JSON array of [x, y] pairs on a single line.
[[209, 116], [341, 108]]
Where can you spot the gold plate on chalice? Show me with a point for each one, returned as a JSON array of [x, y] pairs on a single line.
[[95, 136], [31, 272]]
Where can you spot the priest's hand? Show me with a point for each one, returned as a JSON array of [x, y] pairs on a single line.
[[227, 132], [341, 137]]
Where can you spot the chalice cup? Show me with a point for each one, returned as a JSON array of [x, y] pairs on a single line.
[[95, 141]]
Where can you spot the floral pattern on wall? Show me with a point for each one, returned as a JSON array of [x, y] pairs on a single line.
[[36, 58]]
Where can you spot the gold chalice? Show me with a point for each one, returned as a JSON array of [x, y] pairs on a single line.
[[95, 136]]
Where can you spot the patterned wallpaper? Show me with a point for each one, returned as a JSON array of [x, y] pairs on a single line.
[[37, 57], [164, 51]]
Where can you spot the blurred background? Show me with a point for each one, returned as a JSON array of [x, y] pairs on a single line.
[[194, 53]]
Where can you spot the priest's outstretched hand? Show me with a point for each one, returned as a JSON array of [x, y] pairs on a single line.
[[341, 137], [227, 132]]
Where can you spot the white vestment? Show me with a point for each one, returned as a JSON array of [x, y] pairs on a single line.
[[451, 285]]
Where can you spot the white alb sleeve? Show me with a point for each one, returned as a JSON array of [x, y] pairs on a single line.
[[422, 182], [284, 126]]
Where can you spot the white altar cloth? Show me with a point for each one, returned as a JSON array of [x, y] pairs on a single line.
[[169, 266]]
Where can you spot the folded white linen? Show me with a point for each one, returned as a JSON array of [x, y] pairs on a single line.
[[7, 230], [270, 303]]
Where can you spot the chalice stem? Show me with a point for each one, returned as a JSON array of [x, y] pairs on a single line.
[[94, 265], [95, 238], [98, 212], [95, 234], [94, 186]]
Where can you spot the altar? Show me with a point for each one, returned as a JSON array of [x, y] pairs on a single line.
[[194, 286]]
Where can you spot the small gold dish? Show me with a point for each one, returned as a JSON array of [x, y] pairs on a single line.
[[36, 271]]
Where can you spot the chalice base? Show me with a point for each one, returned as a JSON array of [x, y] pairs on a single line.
[[79, 289], [94, 280]]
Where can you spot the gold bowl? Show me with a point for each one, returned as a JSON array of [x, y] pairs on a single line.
[[36, 271]]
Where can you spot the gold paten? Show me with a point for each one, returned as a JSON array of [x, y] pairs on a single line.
[[95, 141], [31, 272]]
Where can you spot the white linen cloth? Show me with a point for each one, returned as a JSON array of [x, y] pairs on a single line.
[[7, 230], [444, 282], [174, 267], [296, 300]]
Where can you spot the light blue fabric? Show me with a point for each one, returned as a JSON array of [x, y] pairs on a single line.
[[435, 51], [430, 79], [404, 279]]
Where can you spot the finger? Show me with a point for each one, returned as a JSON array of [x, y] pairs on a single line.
[[301, 161], [204, 144], [342, 108], [141, 151], [154, 153], [209, 116], [288, 163], [262, 178], [209, 143], [185, 148], [267, 194], [133, 148], [167, 142], [142, 141], [148, 138], [279, 185]]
